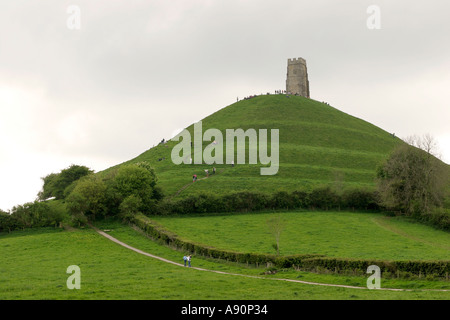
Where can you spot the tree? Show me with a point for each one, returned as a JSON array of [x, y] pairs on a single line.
[[276, 225], [140, 181], [48, 187], [88, 198], [130, 207], [56, 183], [412, 180], [7, 222], [36, 214], [27, 215]]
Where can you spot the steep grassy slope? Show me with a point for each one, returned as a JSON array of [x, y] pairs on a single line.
[[319, 145]]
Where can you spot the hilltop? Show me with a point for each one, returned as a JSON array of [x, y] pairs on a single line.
[[319, 145]]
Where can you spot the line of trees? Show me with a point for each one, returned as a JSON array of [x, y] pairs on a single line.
[[123, 192], [31, 215], [79, 195], [41, 213]]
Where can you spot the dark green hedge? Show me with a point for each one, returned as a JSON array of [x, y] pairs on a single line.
[[302, 261], [438, 268], [32, 215], [321, 198]]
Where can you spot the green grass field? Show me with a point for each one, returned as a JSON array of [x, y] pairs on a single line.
[[334, 234], [34, 265]]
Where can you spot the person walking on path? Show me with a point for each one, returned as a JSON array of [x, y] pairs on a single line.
[[189, 260], [185, 259], [194, 178]]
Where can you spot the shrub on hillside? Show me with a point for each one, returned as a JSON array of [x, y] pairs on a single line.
[[56, 184], [283, 200], [138, 180], [360, 199], [129, 207], [324, 198], [412, 180], [245, 201], [88, 198], [126, 191], [300, 199], [439, 218], [8, 223]]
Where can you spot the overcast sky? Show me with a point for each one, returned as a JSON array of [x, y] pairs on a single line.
[[134, 72]]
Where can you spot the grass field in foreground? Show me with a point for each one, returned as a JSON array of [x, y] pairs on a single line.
[[334, 234], [34, 264]]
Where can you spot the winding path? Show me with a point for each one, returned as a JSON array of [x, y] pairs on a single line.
[[245, 275]]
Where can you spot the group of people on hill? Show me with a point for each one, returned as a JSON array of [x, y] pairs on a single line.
[[194, 177], [268, 93], [249, 97]]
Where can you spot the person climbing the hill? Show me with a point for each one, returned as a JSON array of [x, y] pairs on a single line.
[[194, 178], [214, 170], [185, 260], [207, 173], [189, 260]]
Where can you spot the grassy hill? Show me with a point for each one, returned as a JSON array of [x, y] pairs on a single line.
[[319, 145]]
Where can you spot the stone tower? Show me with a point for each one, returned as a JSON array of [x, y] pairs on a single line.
[[297, 77]]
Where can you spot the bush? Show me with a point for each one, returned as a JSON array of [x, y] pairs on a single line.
[[126, 191], [55, 184], [439, 218], [282, 199], [8, 223], [324, 198], [88, 198], [412, 180], [138, 180], [32, 215], [130, 207], [360, 199], [300, 199]]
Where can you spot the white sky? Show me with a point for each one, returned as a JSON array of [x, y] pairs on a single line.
[[137, 71]]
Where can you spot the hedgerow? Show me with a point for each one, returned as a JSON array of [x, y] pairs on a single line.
[[322, 198]]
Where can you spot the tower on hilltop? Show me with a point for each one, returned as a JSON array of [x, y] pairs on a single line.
[[297, 77]]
